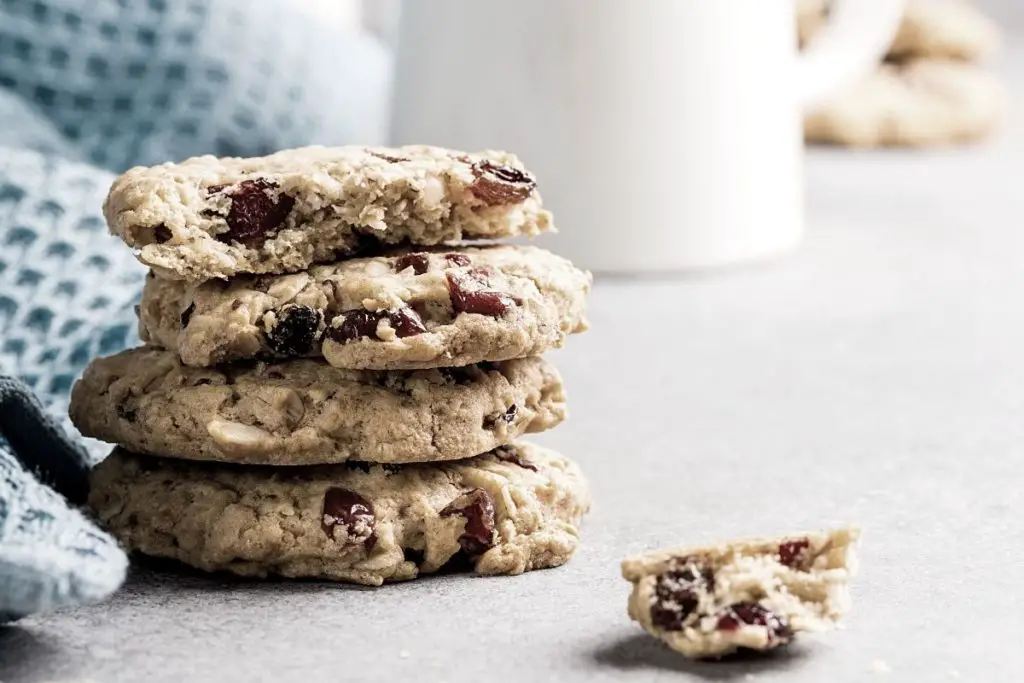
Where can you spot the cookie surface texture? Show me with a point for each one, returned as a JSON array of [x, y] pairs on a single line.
[[510, 511], [210, 217], [406, 310], [306, 412]]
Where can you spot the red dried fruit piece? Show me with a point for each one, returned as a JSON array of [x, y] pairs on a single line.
[[791, 552], [678, 594], [255, 214], [359, 323], [754, 614], [162, 234], [483, 274], [407, 322], [512, 455], [295, 331], [457, 259], [478, 509], [186, 315], [350, 512], [470, 295], [498, 184], [417, 261]]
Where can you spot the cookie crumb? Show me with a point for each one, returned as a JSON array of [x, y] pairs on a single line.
[[753, 594], [879, 666]]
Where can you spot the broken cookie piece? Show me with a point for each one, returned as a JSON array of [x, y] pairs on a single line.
[[753, 594]]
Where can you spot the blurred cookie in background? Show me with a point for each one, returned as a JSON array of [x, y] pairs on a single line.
[[928, 92], [920, 103], [951, 29], [810, 15]]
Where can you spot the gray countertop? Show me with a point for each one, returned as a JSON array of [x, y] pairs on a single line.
[[874, 377]]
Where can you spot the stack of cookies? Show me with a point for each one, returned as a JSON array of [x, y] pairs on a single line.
[[930, 89], [333, 381]]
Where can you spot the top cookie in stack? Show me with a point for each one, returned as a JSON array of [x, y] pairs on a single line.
[[321, 334], [216, 218]]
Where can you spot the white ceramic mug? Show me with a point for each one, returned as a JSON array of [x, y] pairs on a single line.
[[665, 134]]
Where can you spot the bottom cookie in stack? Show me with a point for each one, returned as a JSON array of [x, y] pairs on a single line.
[[511, 510]]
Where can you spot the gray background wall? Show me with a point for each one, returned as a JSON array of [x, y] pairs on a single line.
[[1009, 13]]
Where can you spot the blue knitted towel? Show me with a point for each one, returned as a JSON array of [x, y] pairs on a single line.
[[66, 295], [90, 87]]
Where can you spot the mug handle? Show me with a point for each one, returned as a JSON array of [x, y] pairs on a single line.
[[855, 39]]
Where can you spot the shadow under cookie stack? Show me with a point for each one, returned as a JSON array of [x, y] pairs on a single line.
[[356, 419]]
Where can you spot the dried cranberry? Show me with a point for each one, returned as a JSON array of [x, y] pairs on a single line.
[[791, 552], [678, 594], [407, 322], [352, 513], [470, 295], [186, 315], [162, 234], [497, 184], [478, 509], [417, 261], [512, 455], [359, 323], [457, 259], [254, 214], [754, 614], [296, 330]]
